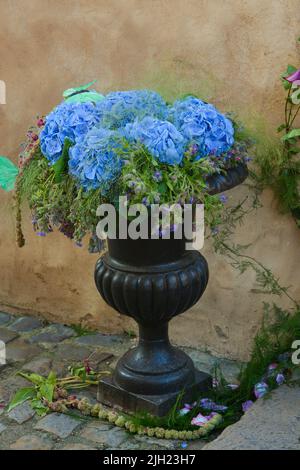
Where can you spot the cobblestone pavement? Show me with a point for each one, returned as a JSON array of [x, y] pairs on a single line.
[[36, 346]]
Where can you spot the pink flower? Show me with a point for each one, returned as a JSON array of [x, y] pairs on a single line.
[[294, 76], [87, 366], [215, 383], [201, 420], [187, 408], [40, 122]]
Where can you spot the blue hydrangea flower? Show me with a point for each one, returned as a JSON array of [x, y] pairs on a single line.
[[122, 107], [202, 124], [71, 120], [94, 161], [161, 138]]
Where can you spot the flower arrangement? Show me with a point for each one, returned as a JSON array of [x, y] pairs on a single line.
[[92, 148]]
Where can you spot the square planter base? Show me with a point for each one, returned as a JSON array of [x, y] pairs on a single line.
[[158, 405]]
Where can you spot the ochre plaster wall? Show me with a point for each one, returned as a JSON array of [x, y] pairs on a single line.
[[229, 51]]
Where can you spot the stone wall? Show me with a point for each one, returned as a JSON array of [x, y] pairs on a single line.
[[229, 51]]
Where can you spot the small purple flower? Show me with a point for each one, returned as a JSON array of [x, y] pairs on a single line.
[[223, 198], [208, 404], [41, 234], [280, 379], [157, 176], [145, 201], [294, 76], [247, 405], [194, 149], [184, 445]]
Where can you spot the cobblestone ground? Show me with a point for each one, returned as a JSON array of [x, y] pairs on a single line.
[[34, 346]]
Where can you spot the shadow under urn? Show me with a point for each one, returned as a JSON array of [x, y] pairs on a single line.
[[152, 281]]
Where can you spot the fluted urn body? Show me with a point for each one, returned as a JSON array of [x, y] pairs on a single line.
[[152, 281]]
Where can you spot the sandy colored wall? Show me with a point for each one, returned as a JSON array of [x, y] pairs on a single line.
[[230, 51]]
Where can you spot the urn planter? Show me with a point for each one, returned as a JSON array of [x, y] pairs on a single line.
[[152, 281]]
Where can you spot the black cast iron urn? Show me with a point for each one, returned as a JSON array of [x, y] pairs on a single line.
[[152, 281]]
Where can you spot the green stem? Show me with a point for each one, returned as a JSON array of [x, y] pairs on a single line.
[[295, 115], [258, 263], [286, 107]]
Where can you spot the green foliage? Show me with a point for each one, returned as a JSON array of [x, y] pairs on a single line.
[[82, 331], [279, 169], [72, 91], [55, 199], [278, 331], [21, 396], [47, 390], [81, 94], [60, 168], [277, 163], [43, 390], [230, 219]]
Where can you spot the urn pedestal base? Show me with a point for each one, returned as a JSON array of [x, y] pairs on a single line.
[[158, 405]]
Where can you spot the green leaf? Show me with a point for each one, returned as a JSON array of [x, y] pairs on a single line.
[[294, 150], [291, 135], [8, 174], [61, 166], [34, 378], [162, 187], [47, 390], [52, 377], [290, 69], [21, 396], [84, 97], [39, 408], [169, 184], [281, 127], [71, 91]]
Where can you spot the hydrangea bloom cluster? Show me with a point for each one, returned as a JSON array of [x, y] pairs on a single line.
[[122, 107], [190, 128], [161, 138], [67, 120], [202, 124], [94, 161]]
